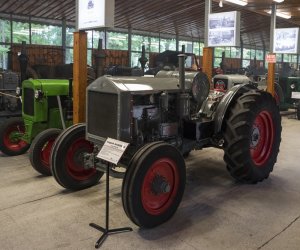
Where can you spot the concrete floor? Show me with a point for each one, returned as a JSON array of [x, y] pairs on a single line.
[[216, 212]]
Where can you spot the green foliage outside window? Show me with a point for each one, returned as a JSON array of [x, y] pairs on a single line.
[[117, 41], [46, 34], [20, 32]]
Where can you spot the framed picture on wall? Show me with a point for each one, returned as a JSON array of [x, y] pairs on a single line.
[[286, 41], [224, 29]]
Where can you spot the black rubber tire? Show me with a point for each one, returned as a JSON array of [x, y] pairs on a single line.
[[67, 174], [7, 146], [298, 111], [41, 145], [279, 93], [135, 176], [245, 139]]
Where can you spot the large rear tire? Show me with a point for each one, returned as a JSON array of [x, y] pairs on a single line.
[[11, 132], [66, 159], [40, 149], [153, 185], [252, 136]]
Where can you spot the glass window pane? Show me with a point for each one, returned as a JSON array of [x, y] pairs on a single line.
[[196, 48], [46, 34], [259, 54], [246, 63], [135, 56], [89, 39], [154, 44], [4, 31], [138, 41], [201, 49], [3, 56], [167, 44], [278, 57], [96, 36], [235, 52], [69, 55], [246, 54], [219, 51], [253, 53], [69, 36], [188, 46], [217, 62], [20, 32], [89, 57], [117, 41], [227, 52]]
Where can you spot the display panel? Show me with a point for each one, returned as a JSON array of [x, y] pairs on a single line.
[[224, 29], [93, 14], [286, 41]]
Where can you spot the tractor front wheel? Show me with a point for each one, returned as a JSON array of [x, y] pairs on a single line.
[[67, 159], [153, 185], [40, 149], [11, 132], [252, 136]]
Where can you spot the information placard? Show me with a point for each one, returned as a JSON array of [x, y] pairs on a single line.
[[112, 150], [92, 14]]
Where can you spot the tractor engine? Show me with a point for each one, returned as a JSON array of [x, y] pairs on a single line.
[[139, 110]]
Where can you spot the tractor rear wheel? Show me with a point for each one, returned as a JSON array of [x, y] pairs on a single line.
[[252, 136], [67, 160], [40, 149], [153, 185], [11, 132]]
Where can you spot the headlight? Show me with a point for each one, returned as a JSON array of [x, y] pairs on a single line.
[[293, 86], [18, 91], [38, 94]]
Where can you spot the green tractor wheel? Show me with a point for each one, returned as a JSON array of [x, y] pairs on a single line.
[[40, 149], [67, 158], [11, 133]]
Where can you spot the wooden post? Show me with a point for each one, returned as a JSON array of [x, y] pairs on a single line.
[[79, 76], [207, 62], [271, 78]]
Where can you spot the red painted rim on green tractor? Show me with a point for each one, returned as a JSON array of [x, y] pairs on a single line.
[[46, 151], [74, 160], [12, 137], [262, 138], [160, 186]]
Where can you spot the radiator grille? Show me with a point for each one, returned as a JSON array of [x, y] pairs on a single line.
[[102, 114], [28, 101]]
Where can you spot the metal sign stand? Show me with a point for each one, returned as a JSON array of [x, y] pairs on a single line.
[[106, 231]]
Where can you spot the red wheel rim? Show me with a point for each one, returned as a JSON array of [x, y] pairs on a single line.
[[45, 153], [12, 137], [262, 138], [74, 160], [156, 203]]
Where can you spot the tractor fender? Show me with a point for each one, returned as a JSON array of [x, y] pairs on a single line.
[[224, 104]]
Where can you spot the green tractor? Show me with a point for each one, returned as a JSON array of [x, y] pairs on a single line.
[[291, 93], [46, 109]]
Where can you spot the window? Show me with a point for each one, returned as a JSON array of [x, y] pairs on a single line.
[[4, 31], [198, 48], [117, 41], [46, 34], [167, 44], [69, 36], [3, 56], [20, 32], [188, 46]]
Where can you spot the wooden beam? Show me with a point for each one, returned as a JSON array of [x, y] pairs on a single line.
[[207, 62], [79, 76], [271, 78]]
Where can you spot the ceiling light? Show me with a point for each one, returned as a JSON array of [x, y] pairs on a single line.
[[221, 3], [278, 1], [280, 14], [239, 2]]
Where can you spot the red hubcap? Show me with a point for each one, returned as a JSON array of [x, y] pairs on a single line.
[[160, 186], [12, 137], [74, 159], [262, 138], [45, 153]]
